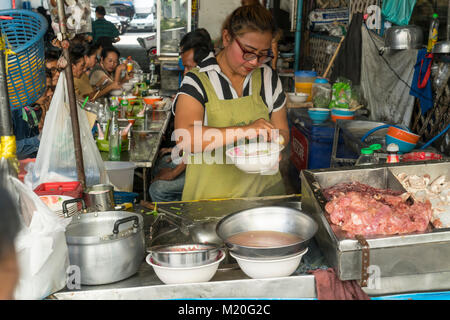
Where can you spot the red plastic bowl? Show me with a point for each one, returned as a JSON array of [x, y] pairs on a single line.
[[421, 156], [334, 117]]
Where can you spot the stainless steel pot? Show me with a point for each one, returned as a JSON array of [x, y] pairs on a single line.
[[403, 37], [100, 197], [270, 218], [442, 47], [107, 247]]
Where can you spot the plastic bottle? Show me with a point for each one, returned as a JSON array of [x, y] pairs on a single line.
[[366, 158], [114, 137], [433, 32], [123, 106], [152, 71], [101, 117], [129, 65], [392, 153]]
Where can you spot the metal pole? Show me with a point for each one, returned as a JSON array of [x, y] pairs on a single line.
[[7, 138], [6, 128], [298, 34], [72, 99]]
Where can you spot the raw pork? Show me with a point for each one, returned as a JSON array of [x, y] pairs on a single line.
[[363, 210]]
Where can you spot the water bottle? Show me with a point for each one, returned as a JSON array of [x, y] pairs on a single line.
[[366, 158], [123, 106], [152, 71], [101, 117], [433, 32], [114, 137]]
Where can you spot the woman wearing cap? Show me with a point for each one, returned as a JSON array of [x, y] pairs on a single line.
[[235, 92]]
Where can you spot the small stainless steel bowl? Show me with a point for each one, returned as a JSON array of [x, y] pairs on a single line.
[[185, 255], [271, 218]]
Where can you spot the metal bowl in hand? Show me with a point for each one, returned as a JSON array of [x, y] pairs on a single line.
[[273, 218], [185, 255]]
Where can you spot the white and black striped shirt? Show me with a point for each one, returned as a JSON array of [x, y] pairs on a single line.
[[271, 89]]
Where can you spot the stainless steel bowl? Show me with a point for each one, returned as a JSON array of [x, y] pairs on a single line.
[[404, 37], [272, 218], [185, 255]]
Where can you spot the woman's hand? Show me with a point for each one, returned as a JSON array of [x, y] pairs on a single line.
[[259, 127], [115, 86]]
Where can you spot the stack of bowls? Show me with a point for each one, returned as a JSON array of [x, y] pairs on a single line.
[[186, 263], [342, 114], [405, 140], [318, 115], [275, 225]]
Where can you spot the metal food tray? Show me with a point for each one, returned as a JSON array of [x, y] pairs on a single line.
[[397, 255]]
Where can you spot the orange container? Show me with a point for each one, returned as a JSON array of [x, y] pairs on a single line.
[[403, 135]]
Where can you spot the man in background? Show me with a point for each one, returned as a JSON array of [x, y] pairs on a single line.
[[168, 182], [103, 31]]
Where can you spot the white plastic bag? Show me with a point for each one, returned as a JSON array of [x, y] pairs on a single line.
[[55, 161], [41, 247]]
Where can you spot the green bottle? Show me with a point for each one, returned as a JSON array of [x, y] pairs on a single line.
[[114, 137]]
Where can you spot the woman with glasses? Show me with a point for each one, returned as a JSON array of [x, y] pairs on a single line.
[[232, 97]]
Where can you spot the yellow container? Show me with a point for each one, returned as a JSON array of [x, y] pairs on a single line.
[[304, 87], [304, 81]]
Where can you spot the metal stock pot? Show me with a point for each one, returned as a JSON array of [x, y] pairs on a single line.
[[107, 247]]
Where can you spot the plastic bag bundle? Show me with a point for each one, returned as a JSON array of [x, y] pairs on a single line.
[[341, 94], [55, 161], [41, 247], [398, 11]]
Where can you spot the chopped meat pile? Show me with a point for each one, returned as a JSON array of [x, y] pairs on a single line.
[[362, 210]]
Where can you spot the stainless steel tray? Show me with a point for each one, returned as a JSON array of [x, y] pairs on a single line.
[[408, 254]]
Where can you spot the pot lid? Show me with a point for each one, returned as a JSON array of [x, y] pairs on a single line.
[[97, 227]]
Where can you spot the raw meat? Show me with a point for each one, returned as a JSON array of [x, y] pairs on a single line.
[[363, 210]]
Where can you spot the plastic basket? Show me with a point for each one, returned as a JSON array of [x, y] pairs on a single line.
[[24, 35], [71, 189], [124, 197]]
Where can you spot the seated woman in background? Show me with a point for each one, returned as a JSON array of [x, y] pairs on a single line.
[[108, 73], [28, 122], [83, 87]]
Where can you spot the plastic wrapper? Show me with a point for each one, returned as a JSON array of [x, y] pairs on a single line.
[[55, 161], [78, 16], [41, 248], [341, 94]]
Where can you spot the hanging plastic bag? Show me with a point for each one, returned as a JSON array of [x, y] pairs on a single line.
[[55, 161], [398, 11], [341, 94], [41, 247]]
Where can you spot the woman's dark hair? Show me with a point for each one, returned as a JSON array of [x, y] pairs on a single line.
[[107, 50], [10, 223], [254, 18], [200, 41], [91, 50], [76, 53], [52, 55]]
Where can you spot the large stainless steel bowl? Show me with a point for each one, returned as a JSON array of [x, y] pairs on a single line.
[[271, 218], [185, 255], [404, 37]]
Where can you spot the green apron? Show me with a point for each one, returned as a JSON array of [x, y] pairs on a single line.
[[218, 181]]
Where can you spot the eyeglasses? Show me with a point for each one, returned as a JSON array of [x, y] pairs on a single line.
[[249, 56]]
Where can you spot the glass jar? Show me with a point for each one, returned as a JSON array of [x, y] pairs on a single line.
[[321, 93], [366, 158]]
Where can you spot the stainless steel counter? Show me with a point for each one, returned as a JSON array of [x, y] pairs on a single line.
[[228, 282]]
